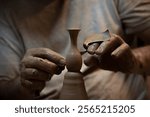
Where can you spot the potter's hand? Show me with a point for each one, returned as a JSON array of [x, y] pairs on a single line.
[[113, 54], [38, 66]]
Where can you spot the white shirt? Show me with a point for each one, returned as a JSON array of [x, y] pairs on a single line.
[[21, 30]]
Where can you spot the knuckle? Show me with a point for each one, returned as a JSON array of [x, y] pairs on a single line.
[[26, 59], [39, 60], [44, 50], [34, 72], [31, 51], [117, 39]]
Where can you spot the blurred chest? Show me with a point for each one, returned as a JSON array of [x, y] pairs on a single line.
[[49, 29]]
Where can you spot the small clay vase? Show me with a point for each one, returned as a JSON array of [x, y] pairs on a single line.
[[73, 86], [74, 59]]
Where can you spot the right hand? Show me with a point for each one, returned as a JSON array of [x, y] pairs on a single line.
[[38, 66]]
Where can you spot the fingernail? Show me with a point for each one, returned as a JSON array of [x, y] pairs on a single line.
[[92, 48], [62, 62]]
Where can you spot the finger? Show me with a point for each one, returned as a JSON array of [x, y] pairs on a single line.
[[39, 63], [90, 60], [33, 85], [96, 38], [34, 74], [124, 57], [109, 45], [120, 51], [49, 55], [91, 49]]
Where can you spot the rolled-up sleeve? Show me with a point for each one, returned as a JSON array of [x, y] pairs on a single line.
[[11, 52], [135, 15]]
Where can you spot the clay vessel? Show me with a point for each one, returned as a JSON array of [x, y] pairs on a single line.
[[73, 86], [74, 60]]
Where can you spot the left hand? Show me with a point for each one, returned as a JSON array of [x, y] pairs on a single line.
[[113, 54]]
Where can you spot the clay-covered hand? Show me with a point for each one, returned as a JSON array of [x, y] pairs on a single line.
[[113, 54], [38, 66]]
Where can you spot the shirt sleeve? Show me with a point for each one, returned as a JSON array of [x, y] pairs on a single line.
[[135, 15], [11, 49]]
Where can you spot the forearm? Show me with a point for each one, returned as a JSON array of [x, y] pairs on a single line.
[[12, 89], [142, 56]]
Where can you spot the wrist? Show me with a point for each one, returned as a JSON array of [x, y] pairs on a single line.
[[138, 65]]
